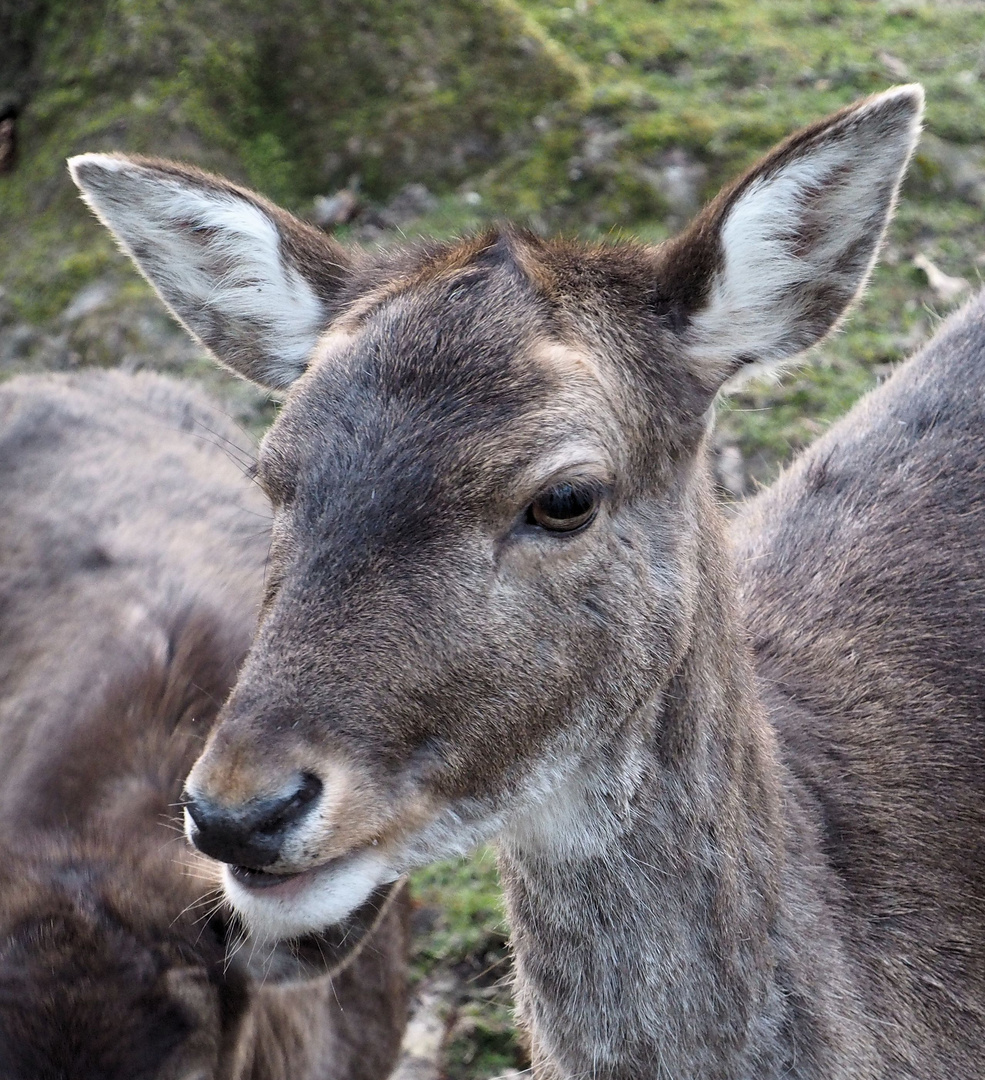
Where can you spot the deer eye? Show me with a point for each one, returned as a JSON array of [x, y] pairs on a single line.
[[564, 508]]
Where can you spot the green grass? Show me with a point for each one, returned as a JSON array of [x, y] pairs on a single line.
[[467, 911], [460, 925], [724, 80]]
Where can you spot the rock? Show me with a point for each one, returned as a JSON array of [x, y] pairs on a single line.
[[6, 310], [431, 1013], [412, 201], [947, 168], [17, 342], [598, 149], [678, 179], [896, 67], [946, 288], [337, 209], [368, 233], [601, 142], [8, 144], [90, 299], [730, 470]]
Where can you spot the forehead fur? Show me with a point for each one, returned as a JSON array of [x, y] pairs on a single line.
[[439, 350], [576, 284], [491, 338]]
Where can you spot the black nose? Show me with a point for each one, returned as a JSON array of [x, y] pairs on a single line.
[[252, 833]]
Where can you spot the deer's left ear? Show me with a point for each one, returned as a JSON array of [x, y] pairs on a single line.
[[252, 283], [769, 267]]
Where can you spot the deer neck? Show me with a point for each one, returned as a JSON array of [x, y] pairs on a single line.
[[651, 946]]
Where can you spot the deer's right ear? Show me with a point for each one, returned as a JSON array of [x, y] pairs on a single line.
[[252, 283]]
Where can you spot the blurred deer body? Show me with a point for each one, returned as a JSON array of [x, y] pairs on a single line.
[[502, 603], [132, 550]]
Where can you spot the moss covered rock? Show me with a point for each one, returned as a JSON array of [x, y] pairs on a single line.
[[291, 98]]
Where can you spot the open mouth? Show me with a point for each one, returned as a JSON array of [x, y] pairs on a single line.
[[259, 879], [278, 906], [291, 933], [262, 880]]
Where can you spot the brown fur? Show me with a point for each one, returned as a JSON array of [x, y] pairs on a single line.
[[725, 857], [131, 554]]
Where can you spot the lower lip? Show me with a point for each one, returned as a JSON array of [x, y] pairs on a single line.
[[259, 881]]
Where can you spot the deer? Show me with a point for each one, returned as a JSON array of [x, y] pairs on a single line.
[[132, 552], [733, 772]]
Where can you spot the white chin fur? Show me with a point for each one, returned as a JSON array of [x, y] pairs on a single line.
[[324, 900]]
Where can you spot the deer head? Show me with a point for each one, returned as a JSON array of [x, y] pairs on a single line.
[[490, 491]]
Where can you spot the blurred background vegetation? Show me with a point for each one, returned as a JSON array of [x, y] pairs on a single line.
[[383, 118]]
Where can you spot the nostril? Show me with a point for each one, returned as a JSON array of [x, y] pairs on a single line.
[[196, 812], [208, 821], [251, 833], [293, 806]]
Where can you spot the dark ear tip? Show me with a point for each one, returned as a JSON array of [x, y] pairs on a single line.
[[88, 170], [909, 93], [904, 103]]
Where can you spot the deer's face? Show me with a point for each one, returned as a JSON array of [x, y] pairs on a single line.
[[488, 497], [470, 574]]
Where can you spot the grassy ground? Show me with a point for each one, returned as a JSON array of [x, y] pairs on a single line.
[[648, 90], [460, 927]]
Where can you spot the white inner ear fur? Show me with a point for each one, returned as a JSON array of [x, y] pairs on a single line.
[[750, 307], [207, 251], [755, 304]]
